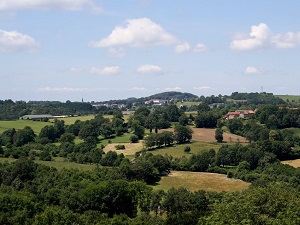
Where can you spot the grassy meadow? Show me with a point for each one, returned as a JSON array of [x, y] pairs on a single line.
[[289, 98], [200, 181], [20, 124], [57, 163]]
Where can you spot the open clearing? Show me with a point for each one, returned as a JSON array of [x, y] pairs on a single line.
[[130, 148], [294, 163], [194, 181], [208, 135]]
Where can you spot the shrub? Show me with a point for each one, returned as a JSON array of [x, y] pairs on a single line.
[[134, 138], [120, 147]]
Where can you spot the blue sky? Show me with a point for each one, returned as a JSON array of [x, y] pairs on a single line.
[[115, 49]]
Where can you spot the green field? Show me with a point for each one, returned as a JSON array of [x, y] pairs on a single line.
[[178, 150], [194, 181], [71, 120], [20, 124], [57, 163], [290, 98]]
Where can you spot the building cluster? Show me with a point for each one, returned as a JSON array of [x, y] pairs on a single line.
[[241, 114]]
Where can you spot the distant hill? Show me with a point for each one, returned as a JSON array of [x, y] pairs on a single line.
[[172, 95], [164, 95]]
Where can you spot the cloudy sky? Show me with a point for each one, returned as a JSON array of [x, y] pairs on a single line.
[[114, 49]]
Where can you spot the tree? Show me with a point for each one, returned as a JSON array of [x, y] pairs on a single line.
[[182, 134], [219, 135], [235, 125], [134, 138], [23, 136], [48, 132], [183, 120], [87, 131], [187, 149], [138, 129]]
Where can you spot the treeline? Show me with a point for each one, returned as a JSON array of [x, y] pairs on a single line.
[[10, 110], [257, 98]]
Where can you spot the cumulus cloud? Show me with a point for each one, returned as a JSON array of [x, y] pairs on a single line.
[[11, 41], [252, 70], [149, 69], [183, 47], [109, 70], [261, 37], [199, 48], [137, 33], [74, 5]]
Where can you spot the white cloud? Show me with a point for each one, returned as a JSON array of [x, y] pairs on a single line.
[[74, 5], [199, 48], [203, 88], [261, 37], [173, 89], [149, 69], [137, 33], [183, 47], [251, 70], [105, 70], [11, 41], [137, 89]]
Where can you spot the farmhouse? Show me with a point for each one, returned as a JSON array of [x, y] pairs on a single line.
[[156, 102], [242, 114]]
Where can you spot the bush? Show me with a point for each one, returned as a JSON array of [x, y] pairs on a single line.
[[134, 138], [120, 147]]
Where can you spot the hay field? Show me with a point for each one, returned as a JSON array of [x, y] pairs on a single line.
[[130, 148], [294, 163], [208, 135], [194, 181]]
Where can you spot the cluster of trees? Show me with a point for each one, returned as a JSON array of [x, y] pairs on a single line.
[[257, 98], [275, 117]]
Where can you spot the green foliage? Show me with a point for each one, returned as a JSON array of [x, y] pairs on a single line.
[[187, 149], [219, 134], [134, 138], [120, 147], [182, 134]]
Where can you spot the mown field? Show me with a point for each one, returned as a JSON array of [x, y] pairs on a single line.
[[201, 181], [20, 124], [290, 98], [294, 163]]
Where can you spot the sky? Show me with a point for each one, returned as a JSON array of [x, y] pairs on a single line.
[[97, 50]]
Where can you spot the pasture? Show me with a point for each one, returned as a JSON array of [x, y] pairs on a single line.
[[57, 163], [194, 181], [289, 98], [20, 124]]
